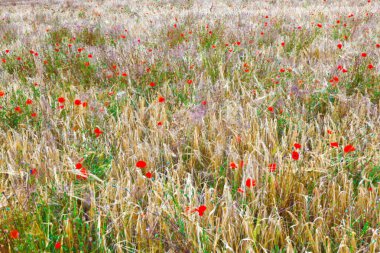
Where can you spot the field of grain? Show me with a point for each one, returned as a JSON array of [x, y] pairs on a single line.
[[189, 126]]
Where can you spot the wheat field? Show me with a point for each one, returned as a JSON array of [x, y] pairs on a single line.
[[189, 126]]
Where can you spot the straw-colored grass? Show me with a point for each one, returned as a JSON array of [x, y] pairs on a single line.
[[212, 96]]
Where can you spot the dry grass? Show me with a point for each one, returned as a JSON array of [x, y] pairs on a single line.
[[238, 107]]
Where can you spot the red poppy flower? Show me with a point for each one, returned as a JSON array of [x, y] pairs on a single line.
[[148, 175], [319, 25], [240, 190], [189, 81], [204, 102], [83, 174], [97, 132], [378, 45], [57, 245], [241, 164], [78, 166], [364, 54], [329, 131], [349, 148], [297, 145], [77, 102], [124, 74], [161, 99], [233, 165], [89, 56], [270, 108], [201, 210], [87, 64], [334, 144], [2, 93], [33, 114], [250, 182], [84, 104], [33, 171], [283, 44], [14, 234], [141, 164], [152, 84], [18, 109], [29, 101], [272, 167], [295, 155], [61, 100], [159, 123], [370, 66], [282, 70]]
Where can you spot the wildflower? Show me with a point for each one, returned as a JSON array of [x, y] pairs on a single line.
[[77, 102], [297, 145], [18, 109], [340, 45], [240, 190], [33, 114], [148, 175], [78, 166], [2, 93], [29, 102], [250, 182], [349, 148], [272, 167], [334, 144], [97, 132], [141, 164], [33, 171], [233, 165], [201, 210], [270, 108], [152, 84], [83, 174], [57, 245], [295, 155], [161, 99], [189, 81], [370, 66], [364, 55], [14, 234], [61, 100]]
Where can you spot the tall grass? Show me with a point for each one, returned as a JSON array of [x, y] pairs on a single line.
[[254, 131]]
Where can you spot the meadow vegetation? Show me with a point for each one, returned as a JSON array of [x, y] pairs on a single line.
[[190, 126]]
